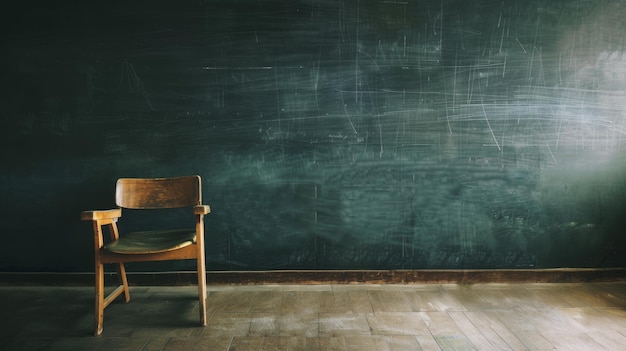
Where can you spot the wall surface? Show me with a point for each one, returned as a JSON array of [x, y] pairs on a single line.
[[350, 134]]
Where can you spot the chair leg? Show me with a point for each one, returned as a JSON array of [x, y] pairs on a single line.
[[202, 293], [99, 310], [121, 273]]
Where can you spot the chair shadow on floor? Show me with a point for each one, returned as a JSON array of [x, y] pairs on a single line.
[[56, 312], [41, 312], [153, 312]]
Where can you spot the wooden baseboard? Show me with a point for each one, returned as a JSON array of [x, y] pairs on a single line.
[[557, 275]]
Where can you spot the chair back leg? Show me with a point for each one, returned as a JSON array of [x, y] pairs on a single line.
[[121, 274]]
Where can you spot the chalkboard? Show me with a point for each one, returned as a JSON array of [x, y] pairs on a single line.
[[350, 134]]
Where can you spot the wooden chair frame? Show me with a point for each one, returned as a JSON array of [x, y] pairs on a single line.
[[147, 193]]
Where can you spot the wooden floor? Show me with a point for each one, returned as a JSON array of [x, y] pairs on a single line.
[[323, 317]]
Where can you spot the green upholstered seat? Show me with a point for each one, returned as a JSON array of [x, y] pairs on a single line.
[[152, 241]]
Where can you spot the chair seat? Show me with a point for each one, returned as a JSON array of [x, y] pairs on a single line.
[[152, 241]]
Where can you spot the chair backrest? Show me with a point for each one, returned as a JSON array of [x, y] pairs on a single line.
[[153, 193]]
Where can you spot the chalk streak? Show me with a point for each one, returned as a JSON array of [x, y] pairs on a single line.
[[134, 82], [356, 59], [348, 116], [380, 131], [502, 37], [487, 120], [209, 68], [520, 44], [550, 149], [491, 129]]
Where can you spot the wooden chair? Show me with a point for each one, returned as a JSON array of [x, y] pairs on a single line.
[[157, 245]]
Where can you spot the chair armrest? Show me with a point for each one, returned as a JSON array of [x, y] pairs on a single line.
[[101, 214], [201, 209]]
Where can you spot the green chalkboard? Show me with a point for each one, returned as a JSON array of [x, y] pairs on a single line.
[[349, 134]]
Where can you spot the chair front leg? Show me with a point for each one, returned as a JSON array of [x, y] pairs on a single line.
[[99, 279], [202, 293], [201, 268], [99, 287]]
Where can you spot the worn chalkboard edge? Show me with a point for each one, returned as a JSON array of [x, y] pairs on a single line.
[[554, 275]]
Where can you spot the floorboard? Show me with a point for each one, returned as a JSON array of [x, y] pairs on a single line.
[[364, 317]]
